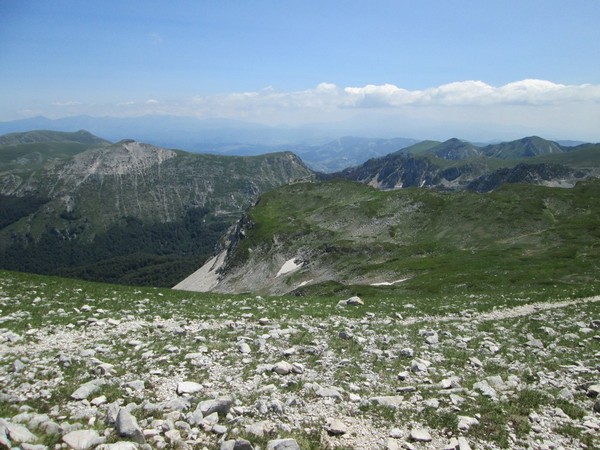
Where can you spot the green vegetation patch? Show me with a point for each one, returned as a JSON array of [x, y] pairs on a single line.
[[518, 237]]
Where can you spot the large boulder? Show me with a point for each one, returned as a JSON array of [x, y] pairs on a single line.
[[236, 444], [83, 439], [283, 444], [220, 405], [127, 427]]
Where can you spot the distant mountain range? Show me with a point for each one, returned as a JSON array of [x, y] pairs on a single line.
[[322, 150], [438, 208], [456, 164], [75, 204]]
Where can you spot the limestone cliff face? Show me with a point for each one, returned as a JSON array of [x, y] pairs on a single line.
[[123, 158], [99, 187], [124, 179]]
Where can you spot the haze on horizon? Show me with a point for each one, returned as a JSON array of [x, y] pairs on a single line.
[[472, 69]]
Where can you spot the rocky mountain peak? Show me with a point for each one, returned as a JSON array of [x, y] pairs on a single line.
[[455, 149], [118, 159]]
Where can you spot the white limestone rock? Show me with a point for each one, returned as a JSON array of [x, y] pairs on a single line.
[[17, 433], [282, 368], [83, 439], [87, 389], [420, 435], [188, 387], [127, 427], [283, 444], [336, 427]]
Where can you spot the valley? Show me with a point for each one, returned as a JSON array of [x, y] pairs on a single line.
[[74, 204], [339, 225], [444, 296]]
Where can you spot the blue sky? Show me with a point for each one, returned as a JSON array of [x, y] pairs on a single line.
[[473, 69]]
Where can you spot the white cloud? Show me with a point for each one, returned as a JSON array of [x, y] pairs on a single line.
[[328, 97], [539, 92], [66, 103], [326, 87], [469, 109], [458, 93], [469, 93], [383, 95]]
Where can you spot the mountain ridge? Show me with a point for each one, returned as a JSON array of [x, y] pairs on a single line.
[[457, 164], [137, 213], [351, 238], [318, 147], [74, 214], [45, 136]]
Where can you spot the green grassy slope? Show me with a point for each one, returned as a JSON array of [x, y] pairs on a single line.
[[21, 153], [47, 136], [49, 322], [523, 148], [519, 235], [419, 147], [586, 156]]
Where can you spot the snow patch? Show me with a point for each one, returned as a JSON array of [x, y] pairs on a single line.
[[389, 283], [289, 266]]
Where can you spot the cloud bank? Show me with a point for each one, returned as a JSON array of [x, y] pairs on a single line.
[[469, 93], [463, 93], [469, 109], [327, 98]]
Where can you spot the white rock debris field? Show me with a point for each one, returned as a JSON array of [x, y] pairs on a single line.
[[240, 376]]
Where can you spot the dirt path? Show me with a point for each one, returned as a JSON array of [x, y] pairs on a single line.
[[506, 313]]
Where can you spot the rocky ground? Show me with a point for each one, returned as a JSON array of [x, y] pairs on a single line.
[[103, 368]]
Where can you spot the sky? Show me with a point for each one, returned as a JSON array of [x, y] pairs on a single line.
[[488, 69]]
